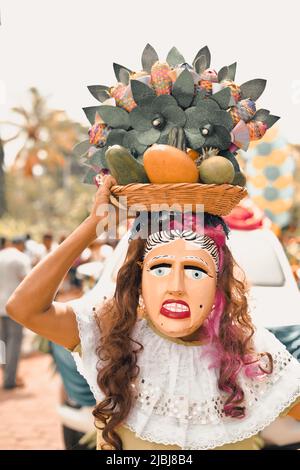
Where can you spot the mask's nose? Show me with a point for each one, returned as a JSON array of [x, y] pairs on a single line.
[[176, 281]]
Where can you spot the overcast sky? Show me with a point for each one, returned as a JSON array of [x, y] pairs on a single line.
[[61, 46]]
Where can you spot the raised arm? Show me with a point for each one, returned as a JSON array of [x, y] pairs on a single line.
[[32, 303]]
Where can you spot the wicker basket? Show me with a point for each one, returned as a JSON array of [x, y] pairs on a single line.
[[218, 199]]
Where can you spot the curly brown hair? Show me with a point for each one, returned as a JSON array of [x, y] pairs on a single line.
[[229, 327]]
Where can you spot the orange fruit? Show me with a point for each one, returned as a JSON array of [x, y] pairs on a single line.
[[193, 154], [167, 164]]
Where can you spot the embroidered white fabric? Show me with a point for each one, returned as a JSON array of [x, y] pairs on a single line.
[[177, 400]]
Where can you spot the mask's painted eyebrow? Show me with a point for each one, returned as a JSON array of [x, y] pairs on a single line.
[[162, 257], [196, 258]]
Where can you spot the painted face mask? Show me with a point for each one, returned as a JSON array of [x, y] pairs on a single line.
[[179, 278], [178, 286]]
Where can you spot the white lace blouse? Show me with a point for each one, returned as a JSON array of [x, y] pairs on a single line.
[[177, 400]]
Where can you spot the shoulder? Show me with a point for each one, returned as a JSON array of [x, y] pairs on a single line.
[[85, 353], [85, 314]]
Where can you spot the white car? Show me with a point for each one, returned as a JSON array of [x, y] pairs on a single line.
[[274, 297]]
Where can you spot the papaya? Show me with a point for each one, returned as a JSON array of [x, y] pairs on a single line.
[[216, 170], [193, 154], [167, 164], [124, 167]]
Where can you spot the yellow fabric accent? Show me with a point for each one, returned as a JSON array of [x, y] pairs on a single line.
[[289, 408], [132, 442], [76, 349]]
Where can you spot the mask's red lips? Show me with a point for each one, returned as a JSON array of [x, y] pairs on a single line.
[[176, 309]]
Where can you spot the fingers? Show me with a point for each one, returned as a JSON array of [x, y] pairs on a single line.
[[108, 181]]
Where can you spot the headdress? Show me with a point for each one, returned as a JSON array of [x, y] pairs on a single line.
[[170, 132]]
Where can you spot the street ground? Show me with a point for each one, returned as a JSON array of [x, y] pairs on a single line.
[[28, 417]]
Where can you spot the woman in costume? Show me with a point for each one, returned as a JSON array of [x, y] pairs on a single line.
[[189, 373], [171, 354]]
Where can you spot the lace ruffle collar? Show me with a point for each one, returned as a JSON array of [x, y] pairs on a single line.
[[176, 397]]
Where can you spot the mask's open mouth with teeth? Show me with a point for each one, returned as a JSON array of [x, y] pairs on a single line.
[[176, 309]]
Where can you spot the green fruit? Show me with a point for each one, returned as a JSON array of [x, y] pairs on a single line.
[[239, 179], [124, 167], [230, 156], [216, 170]]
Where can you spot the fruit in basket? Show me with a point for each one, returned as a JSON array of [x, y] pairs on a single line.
[[193, 154], [167, 164], [239, 179], [216, 170], [177, 138], [124, 167]]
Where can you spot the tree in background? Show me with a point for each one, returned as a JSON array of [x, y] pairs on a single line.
[[42, 190], [47, 138]]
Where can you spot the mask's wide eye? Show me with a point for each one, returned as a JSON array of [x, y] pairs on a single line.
[[160, 270], [192, 272]]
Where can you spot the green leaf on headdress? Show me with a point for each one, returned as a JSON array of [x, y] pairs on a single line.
[[114, 117], [231, 71], [89, 177], [204, 51], [149, 57], [90, 113], [227, 72], [223, 73], [141, 118], [264, 115], [124, 76], [192, 116], [98, 159], [100, 92], [271, 119], [81, 149], [220, 139], [115, 137], [161, 102], [148, 137], [117, 69], [208, 115], [174, 57], [222, 97], [253, 88], [207, 107], [195, 139], [200, 95], [141, 92], [261, 115], [131, 142], [175, 115], [183, 89], [200, 64]]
